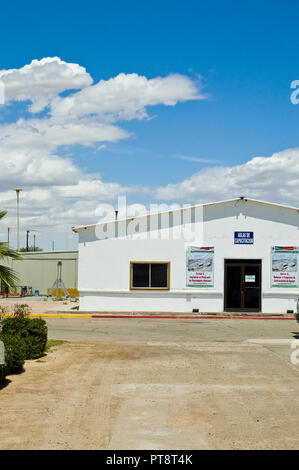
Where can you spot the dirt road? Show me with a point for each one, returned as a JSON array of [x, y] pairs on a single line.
[[97, 395]]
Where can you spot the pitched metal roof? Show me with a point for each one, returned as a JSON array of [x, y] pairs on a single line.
[[225, 201]]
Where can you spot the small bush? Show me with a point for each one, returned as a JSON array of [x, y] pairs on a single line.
[[33, 331], [22, 309], [3, 310], [36, 339], [15, 353], [16, 325]]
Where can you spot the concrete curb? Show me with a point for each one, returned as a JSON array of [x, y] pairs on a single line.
[[202, 317], [172, 314], [178, 317], [50, 315], [156, 316]]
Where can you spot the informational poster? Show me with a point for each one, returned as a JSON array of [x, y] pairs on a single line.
[[284, 266], [200, 266]]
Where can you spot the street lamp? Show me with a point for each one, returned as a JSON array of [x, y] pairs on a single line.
[[18, 190], [27, 240]]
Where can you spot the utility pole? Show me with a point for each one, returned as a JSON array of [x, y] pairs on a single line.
[[18, 190], [34, 235], [8, 230], [27, 240]]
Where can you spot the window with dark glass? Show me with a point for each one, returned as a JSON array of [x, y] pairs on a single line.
[[149, 275]]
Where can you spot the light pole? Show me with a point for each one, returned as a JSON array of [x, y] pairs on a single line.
[[27, 240], [18, 190]]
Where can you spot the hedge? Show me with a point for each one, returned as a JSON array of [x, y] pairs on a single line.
[[16, 325], [15, 354], [36, 339], [33, 331], [23, 338]]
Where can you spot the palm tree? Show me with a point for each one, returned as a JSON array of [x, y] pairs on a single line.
[[8, 276]]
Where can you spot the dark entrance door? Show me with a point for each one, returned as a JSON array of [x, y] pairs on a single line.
[[242, 285]]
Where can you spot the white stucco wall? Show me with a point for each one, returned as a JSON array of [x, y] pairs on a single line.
[[104, 265]]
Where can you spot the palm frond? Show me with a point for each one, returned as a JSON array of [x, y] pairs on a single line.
[[6, 252], [8, 276], [2, 214]]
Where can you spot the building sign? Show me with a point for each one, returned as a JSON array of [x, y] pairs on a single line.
[[200, 266], [249, 278], [243, 238], [284, 270]]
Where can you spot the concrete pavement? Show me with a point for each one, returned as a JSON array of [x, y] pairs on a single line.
[[157, 330], [157, 384]]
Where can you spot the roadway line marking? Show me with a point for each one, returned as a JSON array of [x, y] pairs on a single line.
[[175, 317], [198, 317], [50, 315]]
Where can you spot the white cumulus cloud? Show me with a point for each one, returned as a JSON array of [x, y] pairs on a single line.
[[41, 80], [57, 193], [126, 97], [274, 178]]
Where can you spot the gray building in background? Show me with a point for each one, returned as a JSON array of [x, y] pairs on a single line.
[[39, 270]]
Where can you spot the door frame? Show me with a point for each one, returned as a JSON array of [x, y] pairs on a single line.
[[242, 262]]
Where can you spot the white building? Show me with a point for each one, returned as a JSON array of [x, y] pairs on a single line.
[[235, 255]]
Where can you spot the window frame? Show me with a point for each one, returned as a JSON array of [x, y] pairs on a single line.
[[149, 262]]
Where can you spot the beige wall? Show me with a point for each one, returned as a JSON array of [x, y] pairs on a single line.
[[39, 269]]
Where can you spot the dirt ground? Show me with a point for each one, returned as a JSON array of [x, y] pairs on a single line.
[[103, 395]]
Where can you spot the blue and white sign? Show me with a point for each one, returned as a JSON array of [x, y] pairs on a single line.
[[244, 238]]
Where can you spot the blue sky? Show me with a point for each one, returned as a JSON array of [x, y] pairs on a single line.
[[242, 56]]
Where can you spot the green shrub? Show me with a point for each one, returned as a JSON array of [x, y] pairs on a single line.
[[36, 339], [33, 331], [16, 325], [15, 353], [3, 310], [22, 309]]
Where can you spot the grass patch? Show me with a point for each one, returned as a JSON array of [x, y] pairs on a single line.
[[52, 343]]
